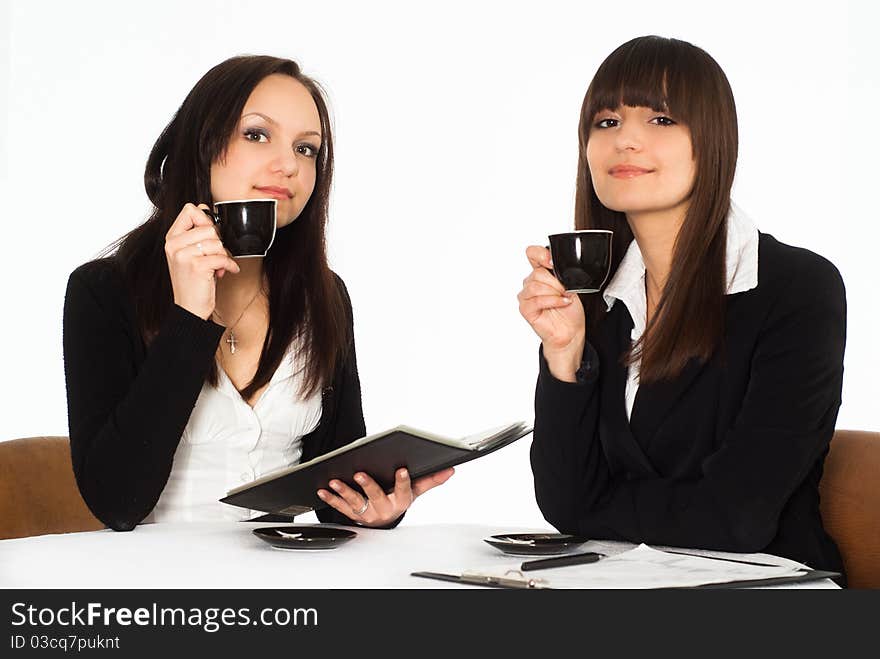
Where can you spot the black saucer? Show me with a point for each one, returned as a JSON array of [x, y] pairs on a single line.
[[304, 537], [530, 544]]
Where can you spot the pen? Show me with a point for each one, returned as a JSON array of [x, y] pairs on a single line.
[[559, 561], [719, 558], [485, 580]]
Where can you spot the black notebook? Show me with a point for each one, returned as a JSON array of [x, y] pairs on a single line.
[[293, 490]]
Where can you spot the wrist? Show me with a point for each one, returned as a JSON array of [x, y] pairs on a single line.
[[564, 363], [196, 310]]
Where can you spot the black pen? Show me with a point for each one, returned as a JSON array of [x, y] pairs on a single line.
[[559, 561]]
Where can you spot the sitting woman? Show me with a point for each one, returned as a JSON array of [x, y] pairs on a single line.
[[190, 373], [691, 401]]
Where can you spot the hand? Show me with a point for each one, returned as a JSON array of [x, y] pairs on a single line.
[[556, 317], [195, 255], [381, 509]]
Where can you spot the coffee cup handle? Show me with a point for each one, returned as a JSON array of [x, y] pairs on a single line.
[[212, 215]]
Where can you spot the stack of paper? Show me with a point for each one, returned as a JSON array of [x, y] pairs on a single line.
[[641, 567]]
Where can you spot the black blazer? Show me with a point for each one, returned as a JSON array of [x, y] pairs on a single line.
[[726, 456], [128, 404]]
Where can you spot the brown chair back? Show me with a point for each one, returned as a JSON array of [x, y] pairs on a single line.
[[850, 503], [38, 494]]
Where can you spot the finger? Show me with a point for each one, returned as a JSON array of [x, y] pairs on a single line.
[[539, 257], [340, 504], [381, 505], [336, 502], [538, 288], [371, 487], [190, 237], [183, 222], [533, 307], [422, 485], [201, 248], [354, 499], [544, 276], [201, 218], [403, 492], [214, 262], [196, 254], [189, 216]]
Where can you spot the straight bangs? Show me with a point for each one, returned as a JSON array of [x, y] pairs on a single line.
[[650, 72]]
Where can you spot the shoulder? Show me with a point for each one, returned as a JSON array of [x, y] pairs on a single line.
[[97, 294], [340, 285], [103, 277], [795, 272], [342, 290]]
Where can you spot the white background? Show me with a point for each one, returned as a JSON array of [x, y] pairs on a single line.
[[456, 137]]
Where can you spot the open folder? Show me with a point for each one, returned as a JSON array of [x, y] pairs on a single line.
[[294, 490], [641, 567]]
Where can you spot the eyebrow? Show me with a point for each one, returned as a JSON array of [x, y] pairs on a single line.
[[275, 123]]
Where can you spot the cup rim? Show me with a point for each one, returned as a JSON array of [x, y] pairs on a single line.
[[565, 233], [242, 201]]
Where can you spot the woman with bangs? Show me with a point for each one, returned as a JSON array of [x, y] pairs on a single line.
[[190, 373], [690, 402]]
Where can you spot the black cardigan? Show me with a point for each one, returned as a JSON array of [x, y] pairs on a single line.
[[726, 456], [128, 404]]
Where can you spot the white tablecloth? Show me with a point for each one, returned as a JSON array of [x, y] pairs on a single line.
[[229, 555]]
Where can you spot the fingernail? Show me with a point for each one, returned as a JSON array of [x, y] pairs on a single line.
[[335, 485], [322, 495], [359, 478], [404, 473], [566, 299]]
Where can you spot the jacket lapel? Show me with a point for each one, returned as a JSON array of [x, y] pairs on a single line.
[[618, 440]]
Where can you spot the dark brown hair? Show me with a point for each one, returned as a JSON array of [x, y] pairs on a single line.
[[671, 76], [305, 300]]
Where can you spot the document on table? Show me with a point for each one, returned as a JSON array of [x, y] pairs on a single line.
[[641, 567]]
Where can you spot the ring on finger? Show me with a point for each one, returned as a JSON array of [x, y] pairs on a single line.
[[201, 249], [360, 511]]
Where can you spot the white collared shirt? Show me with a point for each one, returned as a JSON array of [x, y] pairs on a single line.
[[628, 283], [226, 443]]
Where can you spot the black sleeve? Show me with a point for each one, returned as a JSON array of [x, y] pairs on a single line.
[[566, 453], [125, 418], [784, 426]]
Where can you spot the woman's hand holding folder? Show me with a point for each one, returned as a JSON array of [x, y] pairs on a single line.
[[378, 508]]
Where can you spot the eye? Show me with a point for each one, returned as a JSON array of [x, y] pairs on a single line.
[[256, 135], [606, 123], [663, 120], [307, 150]]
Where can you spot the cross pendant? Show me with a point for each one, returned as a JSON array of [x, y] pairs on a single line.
[[231, 341]]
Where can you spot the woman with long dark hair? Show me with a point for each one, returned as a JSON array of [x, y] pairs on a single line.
[[692, 400], [189, 372]]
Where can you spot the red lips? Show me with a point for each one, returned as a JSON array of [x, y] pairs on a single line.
[[277, 192], [628, 171]]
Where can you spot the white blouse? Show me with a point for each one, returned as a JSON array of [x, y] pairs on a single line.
[[628, 283], [227, 443]]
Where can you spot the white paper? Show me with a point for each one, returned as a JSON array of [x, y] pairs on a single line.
[[642, 567]]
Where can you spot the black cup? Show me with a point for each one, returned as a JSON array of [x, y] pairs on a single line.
[[581, 259], [246, 227]]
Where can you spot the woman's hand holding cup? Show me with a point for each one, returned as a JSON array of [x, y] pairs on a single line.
[[556, 317], [195, 256]]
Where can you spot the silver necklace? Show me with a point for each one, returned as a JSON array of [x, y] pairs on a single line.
[[231, 340]]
